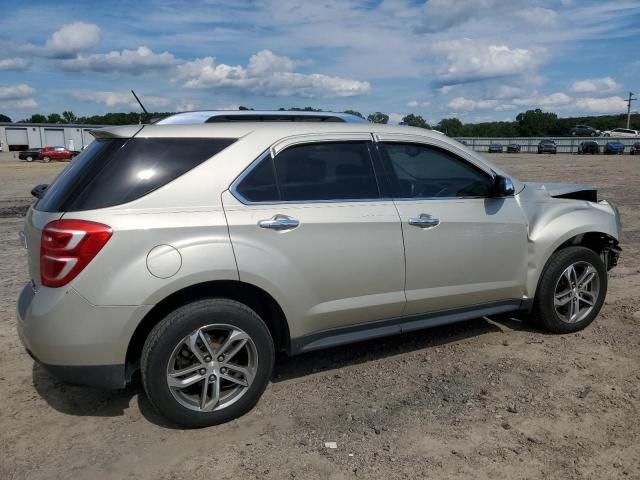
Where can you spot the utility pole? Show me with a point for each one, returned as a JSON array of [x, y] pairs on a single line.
[[629, 100]]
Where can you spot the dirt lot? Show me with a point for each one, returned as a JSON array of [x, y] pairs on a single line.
[[483, 399]]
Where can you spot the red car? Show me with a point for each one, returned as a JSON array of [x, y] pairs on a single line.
[[56, 153]]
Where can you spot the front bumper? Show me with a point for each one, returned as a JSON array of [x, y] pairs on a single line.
[[76, 341]]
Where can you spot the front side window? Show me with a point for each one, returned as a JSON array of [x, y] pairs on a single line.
[[313, 172], [422, 171]]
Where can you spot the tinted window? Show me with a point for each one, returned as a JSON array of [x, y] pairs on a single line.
[[422, 171], [115, 171], [260, 183], [326, 171], [319, 171]]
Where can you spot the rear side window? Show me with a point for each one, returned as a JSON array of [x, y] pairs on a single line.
[[115, 171], [313, 172]]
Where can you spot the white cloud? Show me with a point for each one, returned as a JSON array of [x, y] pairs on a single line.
[[417, 103], [267, 74], [17, 97], [538, 16], [602, 105], [395, 118], [122, 99], [557, 99], [470, 61], [16, 92], [445, 89], [13, 64], [140, 60], [467, 104], [72, 38], [439, 15], [596, 85]]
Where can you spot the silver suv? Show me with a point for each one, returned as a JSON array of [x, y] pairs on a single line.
[[194, 252]]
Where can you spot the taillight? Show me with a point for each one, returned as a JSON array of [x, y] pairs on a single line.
[[67, 247]]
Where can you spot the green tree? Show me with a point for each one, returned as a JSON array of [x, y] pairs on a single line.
[[54, 118], [451, 126], [378, 117], [35, 118], [354, 112], [69, 117], [415, 121], [535, 123], [4, 118]]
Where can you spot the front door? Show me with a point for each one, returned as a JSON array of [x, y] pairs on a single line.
[[309, 226], [463, 247]]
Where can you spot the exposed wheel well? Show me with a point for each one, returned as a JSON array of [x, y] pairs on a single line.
[[255, 298], [604, 245]]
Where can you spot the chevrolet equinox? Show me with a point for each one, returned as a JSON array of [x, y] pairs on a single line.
[[193, 253]]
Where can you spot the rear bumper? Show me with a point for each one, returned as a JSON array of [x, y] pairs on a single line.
[[76, 341]]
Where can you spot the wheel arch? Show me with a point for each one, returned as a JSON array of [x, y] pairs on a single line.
[[602, 243], [254, 297]]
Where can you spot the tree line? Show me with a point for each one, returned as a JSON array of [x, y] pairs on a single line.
[[532, 123]]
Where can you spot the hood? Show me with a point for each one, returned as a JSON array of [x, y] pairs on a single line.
[[562, 190]]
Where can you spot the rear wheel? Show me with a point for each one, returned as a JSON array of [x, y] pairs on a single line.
[[571, 290], [29, 158], [207, 362], [46, 159]]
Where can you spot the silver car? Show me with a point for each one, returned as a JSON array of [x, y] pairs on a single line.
[[194, 252]]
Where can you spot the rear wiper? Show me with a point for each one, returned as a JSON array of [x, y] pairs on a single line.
[[38, 190]]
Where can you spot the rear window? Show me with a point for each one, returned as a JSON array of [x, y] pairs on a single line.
[[115, 171]]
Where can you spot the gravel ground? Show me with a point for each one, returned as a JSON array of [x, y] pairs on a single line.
[[483, 399]]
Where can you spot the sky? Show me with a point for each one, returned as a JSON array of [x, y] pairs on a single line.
[[476, 60]]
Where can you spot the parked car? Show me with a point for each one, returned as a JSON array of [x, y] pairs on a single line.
[[635, 149], [495, 148], [590, 146], [56, 153], [584, 131], [513, 148], [547, 146], [122, 279], [620, 132], [614, 148], [30, 155]]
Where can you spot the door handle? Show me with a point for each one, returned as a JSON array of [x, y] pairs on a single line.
[[279, 222], [424, 221]]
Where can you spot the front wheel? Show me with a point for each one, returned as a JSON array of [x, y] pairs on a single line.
[[571, 290], [29, 158], [207, 362], [46, 159]]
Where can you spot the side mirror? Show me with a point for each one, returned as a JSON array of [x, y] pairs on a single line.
[[38, 190], [502, 186]]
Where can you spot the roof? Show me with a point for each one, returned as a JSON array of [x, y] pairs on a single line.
[[204, 116]]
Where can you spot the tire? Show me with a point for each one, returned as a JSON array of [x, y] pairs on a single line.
[[29, 158], [46, 159], [165, 348], [557, 319]]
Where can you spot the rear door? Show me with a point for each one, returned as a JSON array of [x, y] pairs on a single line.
[[463, 248], [308, 225]]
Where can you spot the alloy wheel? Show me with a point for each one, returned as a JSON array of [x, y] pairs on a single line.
[[576, 292], [212, 367]]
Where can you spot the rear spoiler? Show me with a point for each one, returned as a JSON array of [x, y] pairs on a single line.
[[125, 131]]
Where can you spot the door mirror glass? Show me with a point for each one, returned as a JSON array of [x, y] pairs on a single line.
[[502, 186]]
